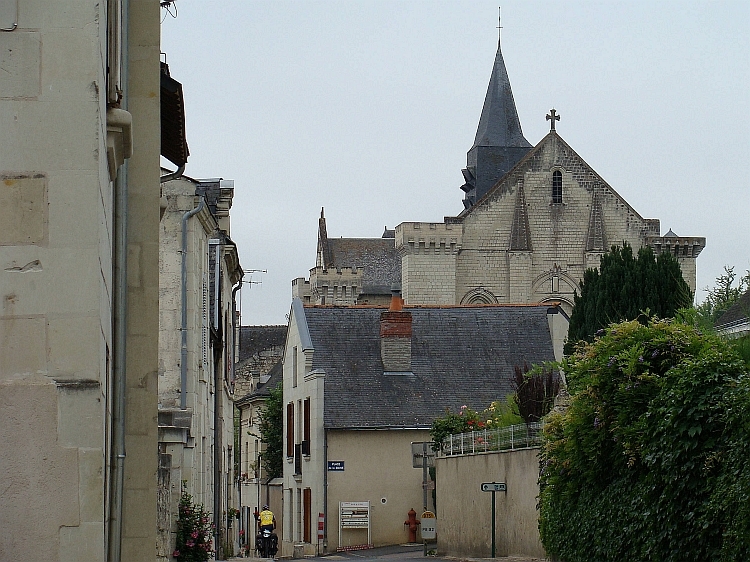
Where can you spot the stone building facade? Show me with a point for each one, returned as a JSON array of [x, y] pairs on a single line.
[[78, 279], [350, 270], [531, 237], [199, 270], [534, 219]]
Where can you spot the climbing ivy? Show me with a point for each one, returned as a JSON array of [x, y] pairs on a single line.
[[649, 461]]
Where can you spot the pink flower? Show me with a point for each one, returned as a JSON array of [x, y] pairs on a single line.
[[176, 554], [194, 534], [191, 544]]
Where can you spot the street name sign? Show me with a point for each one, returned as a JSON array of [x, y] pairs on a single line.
[[494, 487]]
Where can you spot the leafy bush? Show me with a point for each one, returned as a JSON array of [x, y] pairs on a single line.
[[649, 462], [194, 530], [272, 432]]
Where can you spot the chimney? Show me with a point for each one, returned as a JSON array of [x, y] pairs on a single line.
[[395, 336]]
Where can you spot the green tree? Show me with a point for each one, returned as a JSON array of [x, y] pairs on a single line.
[[271, 428], [624, 287], [649, 461], [723, 295]]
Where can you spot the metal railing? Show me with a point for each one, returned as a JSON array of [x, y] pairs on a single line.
[[503, 439]]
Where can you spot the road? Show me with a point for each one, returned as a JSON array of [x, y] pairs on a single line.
[[399, 553]]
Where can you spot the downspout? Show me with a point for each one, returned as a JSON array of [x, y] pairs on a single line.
[[177, 174], [325, 490], [119, 318], [218, 387], [183, 289], [234, 352], [234, 320]]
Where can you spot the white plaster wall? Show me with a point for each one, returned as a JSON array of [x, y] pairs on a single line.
[[464, 512], [378, 469]]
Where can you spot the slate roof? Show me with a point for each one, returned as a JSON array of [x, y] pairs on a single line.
[[499, 124], [254, 339], [377, 257], [461, 355]]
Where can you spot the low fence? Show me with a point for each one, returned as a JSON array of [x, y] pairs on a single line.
[[504, 439]]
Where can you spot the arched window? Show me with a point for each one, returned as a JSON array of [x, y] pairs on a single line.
[[557, 186]]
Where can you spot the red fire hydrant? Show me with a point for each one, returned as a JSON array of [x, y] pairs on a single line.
[[412, 524]]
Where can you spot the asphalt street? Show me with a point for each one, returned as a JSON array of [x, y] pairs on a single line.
[[402, 553]]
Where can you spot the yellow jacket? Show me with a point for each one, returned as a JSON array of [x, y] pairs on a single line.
[[266, 517]]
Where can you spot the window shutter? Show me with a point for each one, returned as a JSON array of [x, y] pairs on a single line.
[[290, 429], [306, 514]]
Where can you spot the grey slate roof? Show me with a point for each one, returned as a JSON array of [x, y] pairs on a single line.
[[499, 124], [461, 355], [377, 256]]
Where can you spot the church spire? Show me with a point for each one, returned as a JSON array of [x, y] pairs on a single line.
[[499, 143], [499, 124]]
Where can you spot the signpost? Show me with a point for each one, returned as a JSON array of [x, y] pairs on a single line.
[[423, 456], [493, 487], [354, 515]]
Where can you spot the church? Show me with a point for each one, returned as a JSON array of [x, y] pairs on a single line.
[[534, 219]]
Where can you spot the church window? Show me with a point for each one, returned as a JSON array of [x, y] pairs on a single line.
[[557, 187]]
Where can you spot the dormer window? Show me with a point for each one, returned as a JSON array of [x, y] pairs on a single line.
[[557, 187]]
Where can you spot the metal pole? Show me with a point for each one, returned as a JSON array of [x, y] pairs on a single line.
[[424, 485], [493, 523]]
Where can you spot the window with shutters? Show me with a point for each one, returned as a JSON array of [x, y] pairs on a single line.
[[204, 323], [295, 366]]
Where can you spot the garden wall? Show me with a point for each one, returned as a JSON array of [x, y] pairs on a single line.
[[464, 512]]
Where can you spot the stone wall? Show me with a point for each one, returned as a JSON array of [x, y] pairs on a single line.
[[56, 279], [464, 512]]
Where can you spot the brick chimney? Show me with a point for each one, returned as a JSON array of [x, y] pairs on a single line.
[[395, 336]]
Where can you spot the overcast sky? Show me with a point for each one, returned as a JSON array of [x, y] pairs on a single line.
[[368, 109]]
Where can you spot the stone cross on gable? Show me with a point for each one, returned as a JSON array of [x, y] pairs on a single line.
[[552, 117]]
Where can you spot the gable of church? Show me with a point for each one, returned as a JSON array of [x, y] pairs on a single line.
[[530, 238]]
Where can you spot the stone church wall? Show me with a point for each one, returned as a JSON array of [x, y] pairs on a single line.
[[428, 261]]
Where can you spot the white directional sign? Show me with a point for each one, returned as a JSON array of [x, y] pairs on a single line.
[[494, 487], [428, 526]]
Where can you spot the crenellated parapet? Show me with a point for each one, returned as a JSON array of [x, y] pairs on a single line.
[[684, 248], [678, 246], [335, 286], [428, 237]]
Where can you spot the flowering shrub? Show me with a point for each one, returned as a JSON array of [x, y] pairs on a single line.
[[194, 530], [497, 415]]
